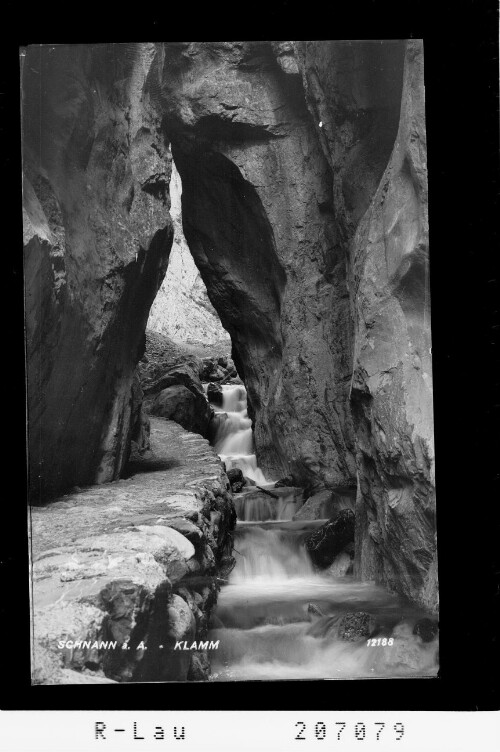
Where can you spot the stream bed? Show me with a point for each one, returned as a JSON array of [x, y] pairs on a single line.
[[278, 617]]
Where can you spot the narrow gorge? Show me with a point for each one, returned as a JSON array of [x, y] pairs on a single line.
[[231, 459]]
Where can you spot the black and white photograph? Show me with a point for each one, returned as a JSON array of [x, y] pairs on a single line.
[[229, 362]]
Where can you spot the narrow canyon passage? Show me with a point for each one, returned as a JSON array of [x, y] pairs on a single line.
[[265, 299], [278, 617]]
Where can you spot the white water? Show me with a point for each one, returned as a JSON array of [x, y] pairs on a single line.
[[253, 506], [263, 621], [267, 631], [234, 440]]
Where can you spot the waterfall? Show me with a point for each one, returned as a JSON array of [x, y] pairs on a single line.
[[278, 617], [270, 556], [234, 439], [268, 630]]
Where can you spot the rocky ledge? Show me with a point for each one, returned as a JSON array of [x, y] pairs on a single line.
[[125, 572]]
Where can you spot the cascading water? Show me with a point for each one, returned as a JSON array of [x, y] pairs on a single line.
[[234, 440], [277, 617]]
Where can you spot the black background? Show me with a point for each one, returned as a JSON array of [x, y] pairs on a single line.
[[461, 79]]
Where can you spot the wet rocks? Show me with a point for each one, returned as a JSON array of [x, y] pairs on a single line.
[[287, 481], [211, 370], [218, 369], [325, 504], [342, 565], [409, 653], [215, 426], [314, 610], [426, 629], [356, 626], [317, 507], [236, 479], [215, 394], [331, 539]]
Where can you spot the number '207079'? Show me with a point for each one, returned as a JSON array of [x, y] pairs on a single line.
[[377, 731]]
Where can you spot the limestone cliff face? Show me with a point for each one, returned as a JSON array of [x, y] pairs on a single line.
[[97, 235], [182, 309]]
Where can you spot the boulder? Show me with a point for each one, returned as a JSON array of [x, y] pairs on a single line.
[[325, 504], [218, 374], [172, 388], [215, 394], [341, 565], [236, 479], [426, 629], [190, 410], [166, 363], [315, 610], [317, 507], [330, 539], [287, 481], [206, 367], [356, 626], [210, 370], [222, 361]]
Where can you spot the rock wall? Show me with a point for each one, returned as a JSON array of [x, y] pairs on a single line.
[[182, 309], [259, 220], [304, 205], [391, 392], [97, 236], [137, 562]]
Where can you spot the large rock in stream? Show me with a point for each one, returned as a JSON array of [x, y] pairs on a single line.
[[325, 504], [324, 544]]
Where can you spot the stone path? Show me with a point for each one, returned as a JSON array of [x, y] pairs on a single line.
[[170, 522]]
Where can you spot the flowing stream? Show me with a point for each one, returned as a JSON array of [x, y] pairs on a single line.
[[234, 440], [277, 617]]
